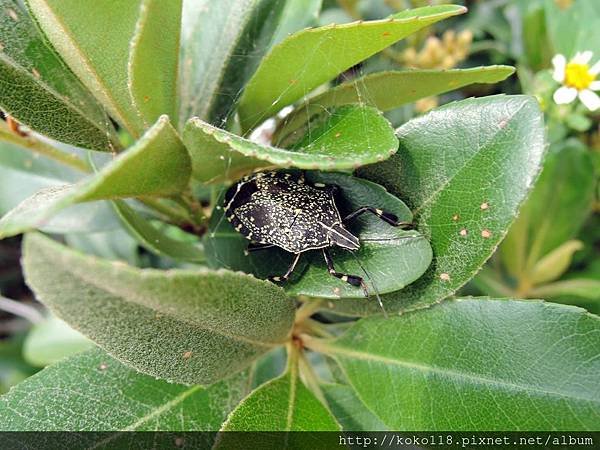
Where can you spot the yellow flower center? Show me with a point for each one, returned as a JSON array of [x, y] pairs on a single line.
[[578, 76]]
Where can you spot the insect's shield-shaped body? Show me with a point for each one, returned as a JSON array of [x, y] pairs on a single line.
[[279, 209], [282, 209]]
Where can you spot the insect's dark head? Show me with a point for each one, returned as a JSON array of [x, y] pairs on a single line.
[[341, 237]]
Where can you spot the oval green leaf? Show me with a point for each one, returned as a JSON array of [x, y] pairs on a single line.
[[153, 239], [345, 138], [349, 411], [282, 404], [389, 90], [93, 38], [222, 44], [584, 288], [295, 17], [468, 364], [49, 98], [28, 165], [391, 257], [156, 165], [83, 399], [555, 263], [311, 57], [52, 340], [153, 60], [192, 327], [464, 170]]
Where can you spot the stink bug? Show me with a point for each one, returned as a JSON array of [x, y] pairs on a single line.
[[279, 209]]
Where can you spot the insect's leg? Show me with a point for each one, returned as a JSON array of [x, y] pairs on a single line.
[[388, 217], [351, 279], [255, 247], [285, 276]]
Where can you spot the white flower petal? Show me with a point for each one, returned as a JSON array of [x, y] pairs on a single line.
[[560, 63], [595, 85], [565, 95], [595, 69], [589, 99], [583, 57]]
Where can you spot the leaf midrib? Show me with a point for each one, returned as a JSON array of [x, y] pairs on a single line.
[[291, 401], [336, 351], [151, 415]]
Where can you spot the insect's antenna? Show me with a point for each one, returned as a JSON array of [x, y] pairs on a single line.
[[364, 286]]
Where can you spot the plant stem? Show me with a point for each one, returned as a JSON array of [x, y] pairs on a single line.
[[41, 148], [315, 344], [194, 208], [176, 216], [523, 288], [316, 328], [293, 354], [21, 310], [307, 309], [310, 377]]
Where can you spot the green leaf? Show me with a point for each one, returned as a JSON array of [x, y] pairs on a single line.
[[222, 44], [116, 245], [345, 138], [557, 208], [47, 149], [282, 404], [312, 57], [468, 364], [94, 392], [30, 171], [40, 92], [555, 263], [23, 172], [155, 240], [389, 90], [465, 166], [270, 366], [391, 257], [153, 60], [349, 411], [582, 288], [52, 340], [490, 282], [183, 326], [13, 368], [157, 165], [93, 38], [295, 17]]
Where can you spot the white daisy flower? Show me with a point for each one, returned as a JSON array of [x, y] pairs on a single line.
[[578, 79]]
